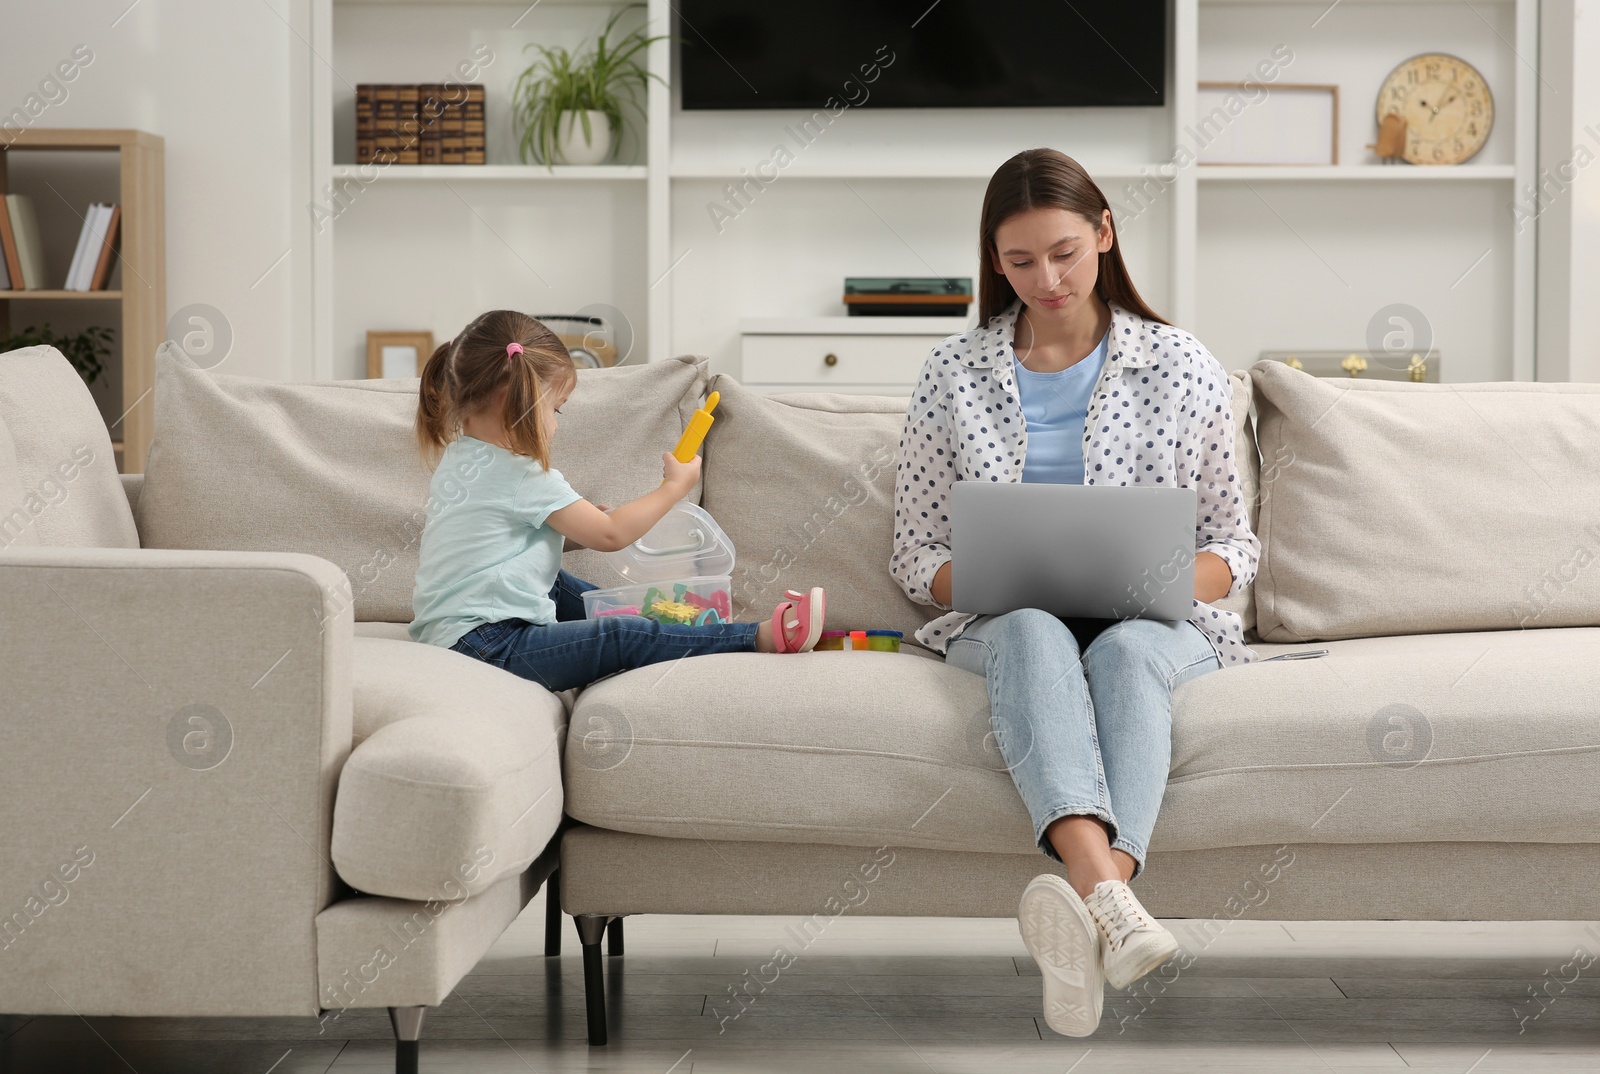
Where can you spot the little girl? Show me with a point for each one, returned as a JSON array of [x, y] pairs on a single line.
[[489, 582]]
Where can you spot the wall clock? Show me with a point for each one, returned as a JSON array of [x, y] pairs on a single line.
[[1445, 103]]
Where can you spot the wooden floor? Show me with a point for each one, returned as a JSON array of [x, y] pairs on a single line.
[[918, 996]]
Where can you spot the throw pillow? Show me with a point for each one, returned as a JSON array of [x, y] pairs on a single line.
[[332, 468], [804, 486], [1402, 508]]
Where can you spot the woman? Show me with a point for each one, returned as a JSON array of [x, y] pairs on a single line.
[[1070, 377]]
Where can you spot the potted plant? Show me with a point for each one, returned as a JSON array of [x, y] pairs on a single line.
[[85, 350], [569, 106]]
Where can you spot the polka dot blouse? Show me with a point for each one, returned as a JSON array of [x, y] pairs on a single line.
[[1161, 414]]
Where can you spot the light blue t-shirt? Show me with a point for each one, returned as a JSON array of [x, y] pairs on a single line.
[[486, 553], [1055, 406]]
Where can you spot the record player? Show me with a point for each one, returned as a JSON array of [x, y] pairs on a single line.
[[907, 296]]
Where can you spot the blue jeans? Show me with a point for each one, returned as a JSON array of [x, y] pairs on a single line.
[[574, 651], [1089, 735]]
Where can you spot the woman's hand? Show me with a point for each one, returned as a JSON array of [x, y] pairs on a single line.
[[1212, 577], [941, 585]]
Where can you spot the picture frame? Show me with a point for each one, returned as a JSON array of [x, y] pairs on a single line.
[[1297, 124], [393, 355]]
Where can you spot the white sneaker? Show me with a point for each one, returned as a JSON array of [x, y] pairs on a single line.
[[1062, 939], [1132, 943]]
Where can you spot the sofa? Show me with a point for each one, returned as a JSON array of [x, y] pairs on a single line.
[[1435, 539], [224, 796]]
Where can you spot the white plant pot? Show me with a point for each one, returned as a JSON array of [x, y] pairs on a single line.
[[571, 145]]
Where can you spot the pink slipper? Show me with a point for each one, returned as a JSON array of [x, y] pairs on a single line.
[[797, 622]]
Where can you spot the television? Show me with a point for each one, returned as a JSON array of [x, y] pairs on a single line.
[[752, 54]]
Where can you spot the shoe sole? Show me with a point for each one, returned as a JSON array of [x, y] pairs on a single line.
[[1152, 953], [1063, 940], [818, 609]]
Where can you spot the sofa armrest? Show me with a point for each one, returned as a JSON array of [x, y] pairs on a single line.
[[175, 723]]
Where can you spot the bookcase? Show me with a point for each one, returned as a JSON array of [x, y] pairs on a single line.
[[138, 287], [1249, 258]]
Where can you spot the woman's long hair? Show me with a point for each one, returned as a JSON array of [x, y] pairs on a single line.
[[462, 375], [1048, 179]]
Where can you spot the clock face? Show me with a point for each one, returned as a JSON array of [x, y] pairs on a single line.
[[1445, 103]]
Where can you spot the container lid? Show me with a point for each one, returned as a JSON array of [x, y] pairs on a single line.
[[686, 543]]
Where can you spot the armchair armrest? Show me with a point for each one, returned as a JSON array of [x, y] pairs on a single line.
[[175, 723]]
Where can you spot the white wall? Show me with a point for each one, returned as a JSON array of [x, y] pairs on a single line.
[[218, 82], [1568, 204], [227, 86]]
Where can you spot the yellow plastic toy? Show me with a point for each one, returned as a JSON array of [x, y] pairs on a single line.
[[671, 611], [694, 435]]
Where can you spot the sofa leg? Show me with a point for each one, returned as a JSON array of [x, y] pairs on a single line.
[[407, 1022], [552, 915], [614, 937], [591, 927]]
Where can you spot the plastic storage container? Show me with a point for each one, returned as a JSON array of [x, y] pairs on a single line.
[[679, 572]]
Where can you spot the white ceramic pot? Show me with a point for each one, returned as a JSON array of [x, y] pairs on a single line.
[[571, 145]]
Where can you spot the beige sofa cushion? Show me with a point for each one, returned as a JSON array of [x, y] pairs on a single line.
[[1405, 508], [64, 475], [1392, 740], [331, 467], [16, 520], [1244, 444], [455, 779], [804, 486], [397, 953]]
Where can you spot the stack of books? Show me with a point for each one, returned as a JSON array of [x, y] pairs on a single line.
[[22, 265], [427, 123]]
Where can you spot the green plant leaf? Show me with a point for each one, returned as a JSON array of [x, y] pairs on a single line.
[[606, 77]]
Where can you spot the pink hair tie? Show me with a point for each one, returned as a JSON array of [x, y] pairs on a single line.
[[512, 348]]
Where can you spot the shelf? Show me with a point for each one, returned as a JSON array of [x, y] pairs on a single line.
[[141, 313], [1399, 173], [60, 294], [895, 170], [853, 326], [89, 138], [482, 172]]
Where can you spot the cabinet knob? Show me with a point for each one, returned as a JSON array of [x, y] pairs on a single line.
[[832, 359]]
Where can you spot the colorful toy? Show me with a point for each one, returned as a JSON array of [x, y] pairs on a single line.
[[656, 606], [694, 435], [683, 607], [718, 602], [885, 641]]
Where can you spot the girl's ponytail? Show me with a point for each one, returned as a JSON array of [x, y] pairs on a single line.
[[432, 404]]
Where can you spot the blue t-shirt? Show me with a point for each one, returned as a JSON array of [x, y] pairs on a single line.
[[486, 553], [1055, 406]]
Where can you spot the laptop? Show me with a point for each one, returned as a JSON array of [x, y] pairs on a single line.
[[1097, 551]]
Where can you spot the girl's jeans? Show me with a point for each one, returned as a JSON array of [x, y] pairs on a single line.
[[1085, 736], [574, 651]]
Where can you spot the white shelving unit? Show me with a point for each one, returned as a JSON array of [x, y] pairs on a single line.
[[1248, 258], [490, 172]]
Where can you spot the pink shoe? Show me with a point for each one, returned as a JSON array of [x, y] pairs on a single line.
[[797, 622]]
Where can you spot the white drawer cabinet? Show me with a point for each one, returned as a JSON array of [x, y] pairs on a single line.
[[852, 355]]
